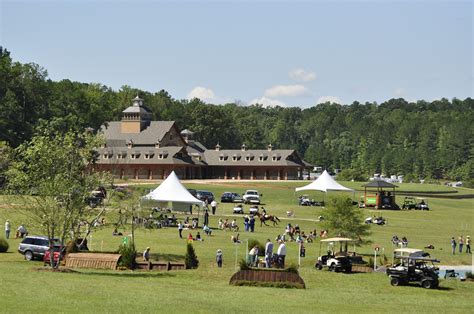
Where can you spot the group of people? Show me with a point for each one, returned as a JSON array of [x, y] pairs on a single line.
[[299, 236], [226, 225], [21, 231], [461, 242], [271, 259], [397, 242]]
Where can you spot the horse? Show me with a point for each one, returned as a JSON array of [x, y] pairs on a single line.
[[264, 218]]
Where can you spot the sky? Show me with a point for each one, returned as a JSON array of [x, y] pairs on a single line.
[[284, 53]]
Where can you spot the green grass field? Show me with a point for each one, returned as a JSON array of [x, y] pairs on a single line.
[[207, 290]]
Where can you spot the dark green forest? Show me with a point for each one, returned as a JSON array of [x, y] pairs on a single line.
[[430, 140]]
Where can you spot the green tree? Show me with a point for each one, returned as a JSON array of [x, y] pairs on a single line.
[[344, 219]]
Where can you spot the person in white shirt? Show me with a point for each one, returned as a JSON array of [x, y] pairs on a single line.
[[213, 207], [281, 252], [268, 253]]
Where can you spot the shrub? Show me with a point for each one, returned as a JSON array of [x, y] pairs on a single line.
[[292, 269], [243, 265], [3, 245], [268, 284], [261, 247], [190, 259], [129, 254], [469, 275]]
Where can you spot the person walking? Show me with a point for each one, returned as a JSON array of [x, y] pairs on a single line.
[[219, 258], [453, 245], [7, 229], [461, 243], [213, 207], [146, 255], [468, 244], [268, 253], [246, 223], [180, 229], [281, 252]]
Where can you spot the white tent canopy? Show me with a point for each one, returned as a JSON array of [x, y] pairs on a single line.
[[324, 183], [171, 190]]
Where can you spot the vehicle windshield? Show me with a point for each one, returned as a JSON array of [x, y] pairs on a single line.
[[252, 193]]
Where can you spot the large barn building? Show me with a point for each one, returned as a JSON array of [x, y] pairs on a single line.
[[138, 148]]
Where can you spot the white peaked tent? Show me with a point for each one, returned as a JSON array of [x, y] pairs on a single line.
[[171, 190], [324, 183]]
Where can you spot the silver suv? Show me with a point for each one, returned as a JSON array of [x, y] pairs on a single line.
[[35, 247]]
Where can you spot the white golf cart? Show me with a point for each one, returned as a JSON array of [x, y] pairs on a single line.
[[335, 262]]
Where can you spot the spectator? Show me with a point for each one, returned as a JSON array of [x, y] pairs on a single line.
[[213, 207], [235, 239], [146, 255], [252, 223], [7, 229], [206, 217], [461, 243], [253, 256], [190, 238], [281, 252], [219, 258], [198, 236], [180, 229], [268, 253], [21, 231], [468, 244], [453, 245], [246, 223], [207, 230]]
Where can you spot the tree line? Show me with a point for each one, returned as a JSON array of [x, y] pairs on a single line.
[[429, 140]]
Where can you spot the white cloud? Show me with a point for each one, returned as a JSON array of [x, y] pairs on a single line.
[[267, 102], [332, 99], [205, 94], [286, 91], [300, 75]]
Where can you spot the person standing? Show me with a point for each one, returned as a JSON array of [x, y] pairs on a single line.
[[246, 223], [7, 229], [253, 256], [461, 243], [180, 229], [219, 258], [206, 218], [268, 253], [252, 223], [453, 245], [281, 252], [213, 207], [468, 244]]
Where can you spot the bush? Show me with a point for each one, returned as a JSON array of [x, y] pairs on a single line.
[[469, 275], [292, 269], [3, 245], [243, 265], [268, 284], [128, 255], [261, 247], [190, 259]]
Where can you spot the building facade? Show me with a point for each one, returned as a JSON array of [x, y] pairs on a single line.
[[138, 148]]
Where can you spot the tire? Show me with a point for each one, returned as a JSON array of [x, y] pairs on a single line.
[[348, 269], [427, 284], [395, 282], [319, 266], [28, 255], [332, 267]]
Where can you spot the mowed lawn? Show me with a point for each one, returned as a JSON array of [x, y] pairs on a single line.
[[23, 289]]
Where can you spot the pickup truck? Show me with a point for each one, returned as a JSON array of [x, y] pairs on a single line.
[[251, 197]]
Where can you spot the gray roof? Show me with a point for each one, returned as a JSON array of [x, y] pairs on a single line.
[[136, 109], [253, 157], [167, 155], [154, 132]]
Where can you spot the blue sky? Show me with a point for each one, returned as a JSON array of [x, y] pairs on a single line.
[[276, 53]]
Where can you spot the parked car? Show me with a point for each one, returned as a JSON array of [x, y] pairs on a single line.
[[35, 247], [58, 251], [231, 197], [205, 195], [252, 197]]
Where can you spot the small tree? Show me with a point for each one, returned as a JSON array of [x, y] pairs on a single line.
[[190, 258], [344, 219], [53, 174]]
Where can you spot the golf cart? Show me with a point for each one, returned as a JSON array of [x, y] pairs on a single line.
[[375, 220], [413, 265], [412, 203], [238, 209], [336, 263]]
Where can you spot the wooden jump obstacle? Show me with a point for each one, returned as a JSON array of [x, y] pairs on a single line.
[[267, 276], [93, 260]]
